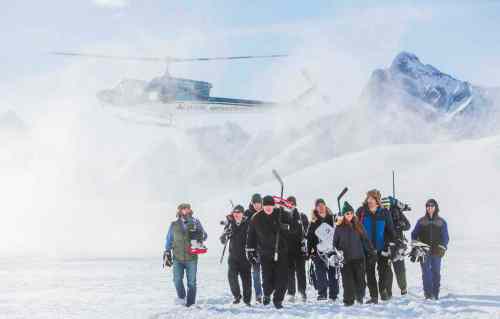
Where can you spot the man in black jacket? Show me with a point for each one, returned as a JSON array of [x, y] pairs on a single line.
[[297, 251], [254, 208], [267, 229], [236, 232], [401, 224]]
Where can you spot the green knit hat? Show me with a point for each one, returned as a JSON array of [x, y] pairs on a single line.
[[347, 208]]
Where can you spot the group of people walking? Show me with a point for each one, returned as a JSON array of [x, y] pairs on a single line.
[[270, 245]]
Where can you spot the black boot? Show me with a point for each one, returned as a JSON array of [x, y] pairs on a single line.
[[372, 301], [348, 303], [266, 300], [237, 300], [384, 295], [278, 305], [404, 292], [258, 299]]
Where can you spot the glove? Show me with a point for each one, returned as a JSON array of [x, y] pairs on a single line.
[[167, 259], [252, 257], [372, 257], [441, 250], [303, 249], [223, 239]]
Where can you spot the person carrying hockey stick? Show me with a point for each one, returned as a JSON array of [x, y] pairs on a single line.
[[380, 230], [254, 208], [267, 230], [432, 230], [319, 240], [180, 252], [351, 238], [236, 233], [297, 251]]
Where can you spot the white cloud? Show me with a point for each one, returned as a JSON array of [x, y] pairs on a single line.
[[111, 3]]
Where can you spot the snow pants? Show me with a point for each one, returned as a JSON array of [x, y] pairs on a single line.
[[400, 272], [275, 277], [326, 279], [241, 269], [383, 267], [353, 281], [297, 269], [431, 276]]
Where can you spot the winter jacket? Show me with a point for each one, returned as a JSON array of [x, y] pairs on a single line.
[[354, 245], [263, 230], [379, 227], [401, 223], [432, 231], [298, 231], [179, 236], [312, 239], [237, 240]]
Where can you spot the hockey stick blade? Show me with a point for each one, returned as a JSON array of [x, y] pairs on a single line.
[[278, 177], [342, 193]]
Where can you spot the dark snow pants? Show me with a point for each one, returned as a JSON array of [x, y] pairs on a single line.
[[241, 269], [275, 277], [400, 272], [326, 279], [297, 268], [383, 267], [353, 281]]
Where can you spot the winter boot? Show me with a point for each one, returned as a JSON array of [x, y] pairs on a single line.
[[258, 299], [372, 301], [278, 305], [237, 300], [404, 292], [266, 300], [384, 295]]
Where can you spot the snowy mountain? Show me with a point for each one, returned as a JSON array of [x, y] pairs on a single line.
[[426, 90], [10, 122]]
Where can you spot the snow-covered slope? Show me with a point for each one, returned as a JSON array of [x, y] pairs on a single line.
[[462, 176]]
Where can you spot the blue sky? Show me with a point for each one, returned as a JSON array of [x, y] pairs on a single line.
[[460, 38]]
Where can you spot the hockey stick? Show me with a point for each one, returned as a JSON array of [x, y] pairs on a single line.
[[225, 245], [342, 193], [276, 245]]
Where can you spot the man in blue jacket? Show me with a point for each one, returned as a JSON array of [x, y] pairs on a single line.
[[433, 231], [179, 252], [380, 230]]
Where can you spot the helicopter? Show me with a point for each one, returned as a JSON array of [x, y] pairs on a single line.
[[158, 100]]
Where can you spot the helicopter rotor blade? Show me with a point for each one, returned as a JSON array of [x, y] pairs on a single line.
[[165, 59], [221, 58], [111, 57]]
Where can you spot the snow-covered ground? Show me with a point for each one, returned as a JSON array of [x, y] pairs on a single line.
[[462, 176]]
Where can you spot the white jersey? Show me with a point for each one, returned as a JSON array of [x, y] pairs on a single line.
[[325, 234]]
